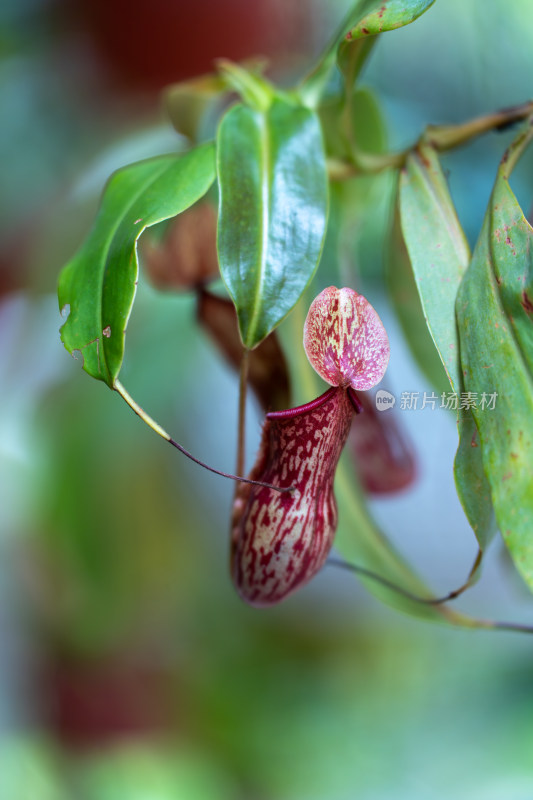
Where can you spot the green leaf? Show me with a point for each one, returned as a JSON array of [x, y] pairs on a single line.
[[366, 18], [359, 206], [439, 255], [361, 542], [98, 285], [314, 84], [351, 58], [253, 88], [379, 16], [272, 212], [437, 248], [187, 102], [353, 122], [408, 307], [495, 318]]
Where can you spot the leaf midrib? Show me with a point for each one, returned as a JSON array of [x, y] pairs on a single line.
[[264, 225], [109, 242]]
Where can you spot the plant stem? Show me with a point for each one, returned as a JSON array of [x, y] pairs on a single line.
[[162, 432], [241, 435], [429, 601], [459, 621], [440, 137], [446, 137]]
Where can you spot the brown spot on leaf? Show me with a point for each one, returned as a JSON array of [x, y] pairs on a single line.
[[107, 332], [526, 303]]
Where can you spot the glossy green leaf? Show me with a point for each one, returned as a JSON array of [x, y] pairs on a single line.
[[495, 318], [272, 212], [387, 15], [439, 255], [98, 286]]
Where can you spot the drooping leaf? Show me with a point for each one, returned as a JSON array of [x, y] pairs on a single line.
[[187, 255], [187, 102], [98, 285], [495, 318], [344, 339], [272, 213], [437, 248], [255, 90], [439, 255], [366, 18], [351, 58], [354, 121], [406, 301], [361, 542], [267, 369], [379, 16], [358, 207], [280, 541]]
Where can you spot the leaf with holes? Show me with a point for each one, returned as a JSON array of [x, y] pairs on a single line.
[[98, 285]]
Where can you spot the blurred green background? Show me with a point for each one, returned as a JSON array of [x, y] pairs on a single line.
[[129, 669]]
